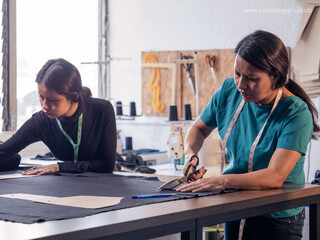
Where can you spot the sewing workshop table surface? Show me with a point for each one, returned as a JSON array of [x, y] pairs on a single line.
[[187, 216]]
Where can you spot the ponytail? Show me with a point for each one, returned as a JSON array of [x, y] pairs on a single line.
[[86, 92], [295, 89]]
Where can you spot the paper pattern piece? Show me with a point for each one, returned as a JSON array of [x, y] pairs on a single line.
[[35, 162], [15, 175], [91, 202]]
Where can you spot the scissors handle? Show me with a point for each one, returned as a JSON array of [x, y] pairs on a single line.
[[187, 170]]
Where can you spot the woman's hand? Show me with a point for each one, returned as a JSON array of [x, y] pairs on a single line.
[[192, 163], [193, 142], [204, 185], [44, 170], [198, 175], [192, 173]]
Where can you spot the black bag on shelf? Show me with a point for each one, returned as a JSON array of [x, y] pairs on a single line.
[[132, 162]]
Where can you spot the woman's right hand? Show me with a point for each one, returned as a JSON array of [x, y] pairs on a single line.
[[193, 162], [192, 145]]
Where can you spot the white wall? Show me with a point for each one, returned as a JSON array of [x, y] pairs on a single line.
[[159, 25]]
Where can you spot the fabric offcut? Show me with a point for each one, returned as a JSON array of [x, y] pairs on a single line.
[[67, 185]]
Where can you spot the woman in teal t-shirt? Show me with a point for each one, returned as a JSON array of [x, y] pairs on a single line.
[[266, 121]]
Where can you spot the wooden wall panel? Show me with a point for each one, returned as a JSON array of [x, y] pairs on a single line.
[[165, 76], [224, 61]]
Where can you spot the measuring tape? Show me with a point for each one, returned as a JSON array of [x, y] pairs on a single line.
[[253, 147]]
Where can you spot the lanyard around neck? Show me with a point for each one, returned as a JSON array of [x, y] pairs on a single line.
[[256, 141], [74, 146]]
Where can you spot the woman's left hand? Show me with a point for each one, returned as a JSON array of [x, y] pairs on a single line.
[[204, 185], [44, 170]]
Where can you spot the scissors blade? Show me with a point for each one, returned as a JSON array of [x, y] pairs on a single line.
[[173, 183]]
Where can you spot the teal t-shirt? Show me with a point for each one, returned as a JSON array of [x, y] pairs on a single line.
[[290, 126]]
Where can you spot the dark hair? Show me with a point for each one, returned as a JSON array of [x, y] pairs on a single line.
[[86, 92], [64, 78], [267, 52]]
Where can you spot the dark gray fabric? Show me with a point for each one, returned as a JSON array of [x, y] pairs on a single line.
[[68, 184]]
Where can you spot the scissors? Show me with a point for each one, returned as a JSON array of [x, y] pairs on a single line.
[[186, 178]]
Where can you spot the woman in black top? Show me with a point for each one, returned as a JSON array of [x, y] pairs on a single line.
[[78, 129]]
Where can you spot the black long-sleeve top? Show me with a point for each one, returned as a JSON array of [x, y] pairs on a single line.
[[97, 150]]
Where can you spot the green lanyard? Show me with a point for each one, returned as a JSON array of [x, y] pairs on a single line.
[[75, 146]]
